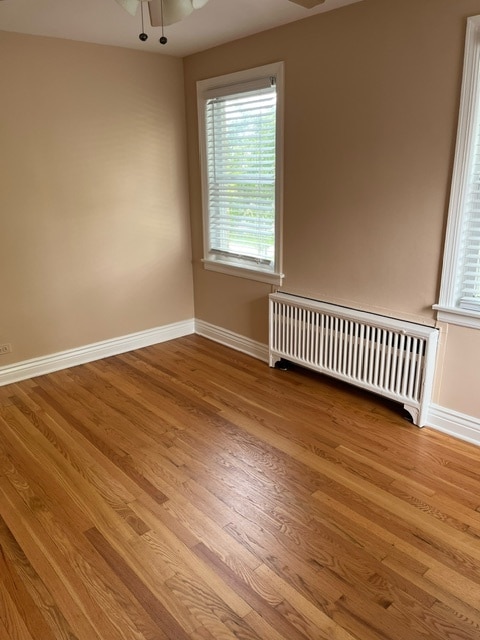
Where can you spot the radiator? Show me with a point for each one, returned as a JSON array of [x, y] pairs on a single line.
[[387, 356]]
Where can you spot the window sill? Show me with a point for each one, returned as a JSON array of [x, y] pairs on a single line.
[[461, 317], [244, 272]]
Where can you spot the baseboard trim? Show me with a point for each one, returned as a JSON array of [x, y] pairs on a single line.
[[89, 353], [454, 423], [233, 340]]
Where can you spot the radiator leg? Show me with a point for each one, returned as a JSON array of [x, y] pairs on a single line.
[[278, 363], [272, 360], [415, 413]]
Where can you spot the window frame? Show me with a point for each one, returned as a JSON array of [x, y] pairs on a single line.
[[235, 265], [448, 308]]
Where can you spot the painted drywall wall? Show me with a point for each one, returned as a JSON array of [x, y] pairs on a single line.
[[371, 107], [94, 194], [458, 371]]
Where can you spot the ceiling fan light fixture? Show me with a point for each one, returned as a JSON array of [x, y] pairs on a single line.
[[173, 11], [308, 4], [131, 6]]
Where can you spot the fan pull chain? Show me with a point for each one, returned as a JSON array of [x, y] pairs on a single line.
[[143, 36], [163, 39]]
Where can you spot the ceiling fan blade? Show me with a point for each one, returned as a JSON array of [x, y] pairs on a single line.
[[173, 11], [308, 4], [129, 5]]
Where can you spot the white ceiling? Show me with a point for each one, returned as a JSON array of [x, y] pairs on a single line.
[[105, 22]]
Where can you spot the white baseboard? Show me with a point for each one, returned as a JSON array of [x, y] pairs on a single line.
[[233, 340], [89, 353], [454, 423]]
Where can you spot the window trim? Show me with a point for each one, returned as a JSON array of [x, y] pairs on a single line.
[[448, 308], [230, 265]]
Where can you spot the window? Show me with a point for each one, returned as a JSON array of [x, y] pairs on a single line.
[[240, 127], [460, 291]]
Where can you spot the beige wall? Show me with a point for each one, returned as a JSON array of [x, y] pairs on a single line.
[[93, 196], [372, 93], [458, 371]]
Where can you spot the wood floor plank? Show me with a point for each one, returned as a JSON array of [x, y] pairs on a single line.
[[208, 530], [185, 491], [16, 455], [209, 609], [12, 625], [77, 576], [262, 628], [169, 627], [455, 607], [277, 616], [48, 457], [180, 557], [408, 561], [87, 428], [112, 491], [92, 456], [39, 605]]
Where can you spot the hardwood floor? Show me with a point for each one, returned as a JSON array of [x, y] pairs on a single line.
[[186, 491]]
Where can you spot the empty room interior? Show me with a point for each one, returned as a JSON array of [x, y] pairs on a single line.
[[251, 416]]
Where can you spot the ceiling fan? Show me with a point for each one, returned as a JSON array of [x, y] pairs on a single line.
[[165, 12]]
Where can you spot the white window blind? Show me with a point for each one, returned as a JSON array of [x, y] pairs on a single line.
[[240, 129], [469, 271]]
